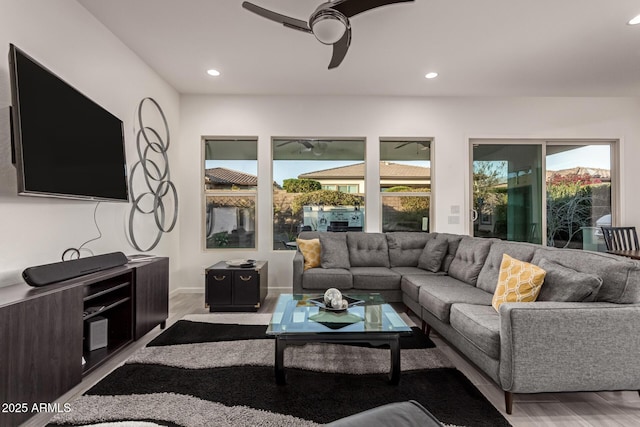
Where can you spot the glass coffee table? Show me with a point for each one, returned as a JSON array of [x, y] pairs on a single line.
[[297, 320]]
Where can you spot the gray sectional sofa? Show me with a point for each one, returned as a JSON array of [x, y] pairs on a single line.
[[581, 334]]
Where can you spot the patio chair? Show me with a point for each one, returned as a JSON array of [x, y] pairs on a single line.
[[620, 238]]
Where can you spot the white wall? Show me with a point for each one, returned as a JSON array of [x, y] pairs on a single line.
[[65, 38], [450, 121]]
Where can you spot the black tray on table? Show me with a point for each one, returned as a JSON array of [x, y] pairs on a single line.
[[352, 302]]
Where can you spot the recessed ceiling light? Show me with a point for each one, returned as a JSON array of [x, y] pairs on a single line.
[[431, 75], [634, 21], [213, 72]]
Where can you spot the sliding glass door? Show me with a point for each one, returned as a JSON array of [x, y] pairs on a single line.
[[558, 193], [578, 185], [507, 191]]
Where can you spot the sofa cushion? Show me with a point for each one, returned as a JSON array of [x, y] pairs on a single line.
[[438, 293], [406, 247], [325, 278], [334, 250], [433, 254], [411, 287], [368, 249], [488, 277], [479, 324], [620, 276], [454, 242], [519, 281], [310, 250], [469, 259], [566, 284], [379, 278]]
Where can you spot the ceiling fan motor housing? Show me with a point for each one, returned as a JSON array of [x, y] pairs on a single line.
[[328, 25]]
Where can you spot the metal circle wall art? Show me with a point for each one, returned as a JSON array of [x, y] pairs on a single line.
[[151, 144]]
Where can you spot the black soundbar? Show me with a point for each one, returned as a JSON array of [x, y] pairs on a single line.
[[47, 274]]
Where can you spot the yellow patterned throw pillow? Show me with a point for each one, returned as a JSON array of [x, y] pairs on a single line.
[[310, 251], [519, 281]]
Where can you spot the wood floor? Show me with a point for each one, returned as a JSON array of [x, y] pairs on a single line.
[[603, 409]]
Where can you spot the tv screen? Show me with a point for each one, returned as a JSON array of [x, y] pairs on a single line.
[[65, 144]]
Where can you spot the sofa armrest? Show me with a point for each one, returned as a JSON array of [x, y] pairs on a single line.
[[554, 346], [298, 269]]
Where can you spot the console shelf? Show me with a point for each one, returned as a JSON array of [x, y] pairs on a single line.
[[100, 289], [43, 329], [107, 307], [96, 358]]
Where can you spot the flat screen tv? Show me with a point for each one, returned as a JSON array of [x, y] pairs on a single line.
[[65, 145]]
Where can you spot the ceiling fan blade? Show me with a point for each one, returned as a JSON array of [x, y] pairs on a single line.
[[287, 21], [352, 7], [284, 143], [340, 49], [401, 145], [306, 144]]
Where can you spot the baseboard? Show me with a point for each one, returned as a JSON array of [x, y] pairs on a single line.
[[281, 289], [200, 290]]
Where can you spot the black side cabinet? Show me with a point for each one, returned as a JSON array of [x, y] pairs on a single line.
[[234, 288]]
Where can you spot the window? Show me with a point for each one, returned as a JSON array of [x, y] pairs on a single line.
[[230, 189], [318, 185], [405, 184], [556, 193], [342, 188]]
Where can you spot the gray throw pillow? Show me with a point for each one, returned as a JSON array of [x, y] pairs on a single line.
[[334, 252], [433, 254], [454, 242], [564, 284]]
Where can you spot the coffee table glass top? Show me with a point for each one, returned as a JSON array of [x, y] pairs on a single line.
[[295, 314]]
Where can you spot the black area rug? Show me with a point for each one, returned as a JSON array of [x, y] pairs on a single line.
[[190, 332], [205, 374]]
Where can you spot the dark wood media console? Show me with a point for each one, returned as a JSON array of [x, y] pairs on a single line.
[[42, 330]]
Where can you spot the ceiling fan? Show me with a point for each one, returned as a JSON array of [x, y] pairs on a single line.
[[329, 23]]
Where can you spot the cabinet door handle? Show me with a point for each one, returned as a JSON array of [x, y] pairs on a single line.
[[219, 278], [245, 278]]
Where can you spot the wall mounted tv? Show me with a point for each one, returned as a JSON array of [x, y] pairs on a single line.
[[65, 145]]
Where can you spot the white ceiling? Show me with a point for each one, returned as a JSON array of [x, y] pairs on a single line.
[[479, 47]]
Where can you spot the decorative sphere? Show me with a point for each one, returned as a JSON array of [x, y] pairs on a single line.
[[330, 295]]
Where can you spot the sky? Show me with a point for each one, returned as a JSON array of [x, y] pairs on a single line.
[[592, 156]]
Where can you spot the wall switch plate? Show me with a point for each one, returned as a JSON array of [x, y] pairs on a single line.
[[455, 209]]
